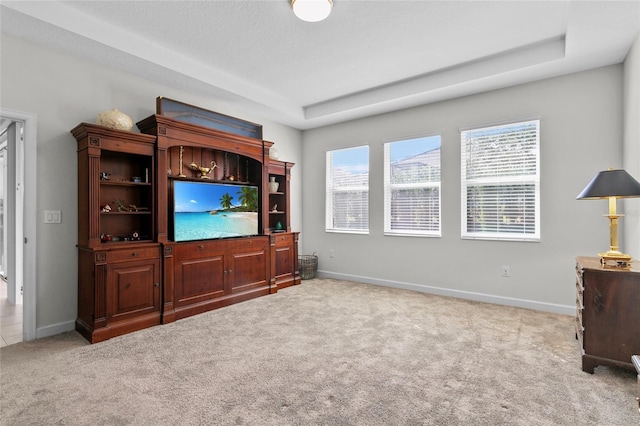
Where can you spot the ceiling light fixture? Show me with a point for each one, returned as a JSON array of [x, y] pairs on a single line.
[[312, 10]]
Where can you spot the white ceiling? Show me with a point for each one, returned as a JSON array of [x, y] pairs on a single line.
[[368, 57]]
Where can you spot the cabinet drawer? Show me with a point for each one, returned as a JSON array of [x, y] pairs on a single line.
[[198, 249], [133, 254], [579, 282], [579, 316], [204, 249], [284, 240], [248, 244], [580, 332]]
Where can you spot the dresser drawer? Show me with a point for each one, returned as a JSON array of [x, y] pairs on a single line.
[[132, 254]]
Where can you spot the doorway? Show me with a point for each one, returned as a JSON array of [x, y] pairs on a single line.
[[17, 227], [10, 281]]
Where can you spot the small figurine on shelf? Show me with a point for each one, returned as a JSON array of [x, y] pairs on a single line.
[[105, 209], [204, 171], [279, 226], [104, 176], [121, 206], [135, 236], [275, 208]]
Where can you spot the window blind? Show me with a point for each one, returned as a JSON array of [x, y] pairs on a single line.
[[347, 190], [501, 182], [412, 187]]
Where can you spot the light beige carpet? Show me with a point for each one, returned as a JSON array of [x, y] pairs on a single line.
[[326, 352]]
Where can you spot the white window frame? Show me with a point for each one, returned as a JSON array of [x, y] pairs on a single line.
[[496, 180], [389, 187], [330, 225]]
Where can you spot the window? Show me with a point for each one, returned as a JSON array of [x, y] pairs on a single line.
[[348, 190], [412, 187], [501, 182]]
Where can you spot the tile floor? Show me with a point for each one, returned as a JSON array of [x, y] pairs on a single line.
[[10, 319]]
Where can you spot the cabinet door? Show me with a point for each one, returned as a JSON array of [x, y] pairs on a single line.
[[284, 258], [247, 265], [133, 289], [199, 272]]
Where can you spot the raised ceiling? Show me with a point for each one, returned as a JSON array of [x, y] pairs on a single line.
[[368, 57]]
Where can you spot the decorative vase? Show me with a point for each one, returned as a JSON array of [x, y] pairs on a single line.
[[115, 119], [273, 153], [273, 185]]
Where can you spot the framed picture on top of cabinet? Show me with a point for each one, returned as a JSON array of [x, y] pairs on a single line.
[[203, 117]]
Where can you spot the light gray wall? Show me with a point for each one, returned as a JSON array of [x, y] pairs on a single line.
[[64, 91], [581, 134], [631, 148]]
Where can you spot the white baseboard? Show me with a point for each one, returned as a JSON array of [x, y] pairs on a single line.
[[52, 330], [468, 295]]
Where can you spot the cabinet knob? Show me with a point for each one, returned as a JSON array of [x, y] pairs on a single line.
[[201, 247], [134, 254], [156, 285]]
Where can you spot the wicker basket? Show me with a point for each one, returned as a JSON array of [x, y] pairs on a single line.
[[308, 266]]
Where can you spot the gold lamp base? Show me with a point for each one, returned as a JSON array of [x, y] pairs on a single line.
[[615, 259]]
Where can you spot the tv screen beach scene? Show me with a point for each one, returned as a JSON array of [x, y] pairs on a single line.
[[209, 210]]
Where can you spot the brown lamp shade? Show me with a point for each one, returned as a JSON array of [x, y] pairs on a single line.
[[611, 183]]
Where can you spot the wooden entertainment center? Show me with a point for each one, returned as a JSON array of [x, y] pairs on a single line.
[[132, 273]]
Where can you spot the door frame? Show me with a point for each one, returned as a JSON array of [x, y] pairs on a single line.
[[27, 154]]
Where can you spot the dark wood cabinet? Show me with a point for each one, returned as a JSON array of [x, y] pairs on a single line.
[[284, 243], [116, 197], [279, 209], [211, 274], [119, 273], [607, 314], [284, 260], [133, 288], [133, 272], [119, 290]]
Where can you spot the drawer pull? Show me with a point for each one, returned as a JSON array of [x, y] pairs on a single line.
[[134, 254], [201, 247], [156, 285]]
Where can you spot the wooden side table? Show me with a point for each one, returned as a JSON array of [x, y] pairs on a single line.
[[607, 314]]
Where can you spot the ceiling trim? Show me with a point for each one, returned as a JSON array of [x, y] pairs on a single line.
[[521, 57]]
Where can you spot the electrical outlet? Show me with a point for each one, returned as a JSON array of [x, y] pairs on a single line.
[[505, 271], [332, 254], [52, 216]]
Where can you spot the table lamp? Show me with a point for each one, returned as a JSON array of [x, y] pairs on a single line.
[[612, 184]]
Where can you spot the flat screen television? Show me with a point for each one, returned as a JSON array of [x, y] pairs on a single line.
[[210, 210]]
